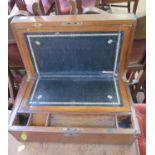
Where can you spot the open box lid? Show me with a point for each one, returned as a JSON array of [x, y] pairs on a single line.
[[74, 53], [75, 46]]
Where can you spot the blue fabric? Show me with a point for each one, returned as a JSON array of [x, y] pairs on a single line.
[[93, 91], [74, 54], [68, 54]]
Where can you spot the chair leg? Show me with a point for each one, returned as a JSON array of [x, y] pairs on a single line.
[[141, 81], [129, 6], [38, 9], [136, 88], [135, 6], [11, 89], [131, 76], [52, 8], [79, 6]]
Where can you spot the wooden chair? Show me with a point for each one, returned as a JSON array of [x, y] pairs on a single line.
[[137, 57], [68, 6], [11, 4], [63, 7], [36, 7], [43, 7], [11, 91], [112, 3], [14, 81], [137, 62], [14, 59]]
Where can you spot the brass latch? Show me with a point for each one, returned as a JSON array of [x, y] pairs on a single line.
[[72, 23], [71, 132]]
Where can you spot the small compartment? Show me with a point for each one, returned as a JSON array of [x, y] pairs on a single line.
[[124, 121], [21, 119], [77, 120], [37, 120]]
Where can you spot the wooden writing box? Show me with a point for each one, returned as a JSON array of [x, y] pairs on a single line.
[[74, 89]]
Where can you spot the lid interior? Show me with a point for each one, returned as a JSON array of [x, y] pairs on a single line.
[[75, 53], [84, 53]]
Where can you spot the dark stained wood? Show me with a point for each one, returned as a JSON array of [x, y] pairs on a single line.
[[11, 89]]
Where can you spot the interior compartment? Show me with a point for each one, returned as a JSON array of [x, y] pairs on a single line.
[[81, 120], [38, 119], [74, 120], [21, 119], [124, 121]]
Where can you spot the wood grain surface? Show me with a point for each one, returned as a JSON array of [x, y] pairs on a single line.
[[18, 148]]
